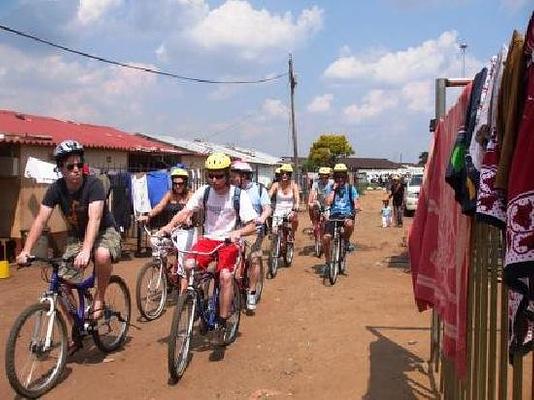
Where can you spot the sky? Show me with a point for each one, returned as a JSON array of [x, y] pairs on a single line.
[[365, 69]]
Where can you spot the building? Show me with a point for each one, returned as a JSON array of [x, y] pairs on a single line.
[[107, 148]]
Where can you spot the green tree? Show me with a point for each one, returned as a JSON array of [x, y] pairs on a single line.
[[423, 158], [328, 149]]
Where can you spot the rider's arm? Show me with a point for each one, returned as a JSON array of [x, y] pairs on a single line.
[[329, 199], [265, 206], [247, 229], [95, 211], [35, 232], [160, 206], [273, 189], [312, 197], [296, 196], [194, 203]]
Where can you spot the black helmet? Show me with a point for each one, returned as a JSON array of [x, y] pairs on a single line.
[[67, 148]]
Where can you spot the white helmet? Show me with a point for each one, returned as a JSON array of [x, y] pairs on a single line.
[[241, 166], [67, 148]]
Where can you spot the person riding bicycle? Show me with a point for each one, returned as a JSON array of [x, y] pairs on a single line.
[[287, 198], [317, 196], [91, 226], [173, 202], [228, 214], [342, 198], [262, 204]]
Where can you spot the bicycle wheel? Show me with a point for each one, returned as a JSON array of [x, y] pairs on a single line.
[[110, 332], [232, 323], [288, 255], [261, 281], [334, 262], [318, 247], [34, 366], [180, 336], [342, 257], [151, 290], [274, 256]]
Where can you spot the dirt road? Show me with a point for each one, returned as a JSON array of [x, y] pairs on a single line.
[[361, 339]]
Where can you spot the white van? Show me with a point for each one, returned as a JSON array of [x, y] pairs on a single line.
[[412, 194]]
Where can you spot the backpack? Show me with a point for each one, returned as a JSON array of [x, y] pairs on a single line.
[[236, 197]]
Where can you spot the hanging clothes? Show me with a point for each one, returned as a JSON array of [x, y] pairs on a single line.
[[41, 171], [491, 207], [510, 98], [158, 183], [141, 202], [519, 258], [121, 199], [439, 241]]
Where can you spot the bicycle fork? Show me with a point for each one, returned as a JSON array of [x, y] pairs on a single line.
[[51, 314]]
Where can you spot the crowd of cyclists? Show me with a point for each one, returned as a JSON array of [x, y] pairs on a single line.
[[212, 221]]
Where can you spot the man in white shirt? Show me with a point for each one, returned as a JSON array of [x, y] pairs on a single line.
[[228, 214]]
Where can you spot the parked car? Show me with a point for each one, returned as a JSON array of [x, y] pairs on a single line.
[[412, 194]]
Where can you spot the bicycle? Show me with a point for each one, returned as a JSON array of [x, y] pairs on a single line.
[[281, 247], [48, 333], [155, 278], [318, 229], [338, 258], [200, 302], [243, 280]]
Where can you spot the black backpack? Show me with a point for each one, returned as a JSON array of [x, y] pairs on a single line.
[[236, 198]]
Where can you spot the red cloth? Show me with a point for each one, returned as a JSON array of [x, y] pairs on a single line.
[[439, 241], [226, 257]]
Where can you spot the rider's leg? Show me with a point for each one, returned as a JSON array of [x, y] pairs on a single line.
[[294, 224], [349, 228], [102, 273], [226, 294], [312, 212], [327, 238]]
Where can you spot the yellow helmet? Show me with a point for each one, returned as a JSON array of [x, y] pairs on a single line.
[[325, 171], [277, 170], [217, 160], [286, 168], [340, 168], [179, 172]]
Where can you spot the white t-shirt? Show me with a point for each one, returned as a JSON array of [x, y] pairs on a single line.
[[220, 216]]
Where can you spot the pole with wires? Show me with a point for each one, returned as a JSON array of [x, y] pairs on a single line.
[[292, 85]]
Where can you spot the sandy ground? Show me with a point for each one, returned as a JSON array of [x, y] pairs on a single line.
[[360, 339]]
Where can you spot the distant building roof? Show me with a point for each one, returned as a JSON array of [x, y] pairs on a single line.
[[45, 131], [205, 148], [370, 163]]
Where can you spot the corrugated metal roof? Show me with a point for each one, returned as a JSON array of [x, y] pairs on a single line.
[[205, 148], [45, 131]]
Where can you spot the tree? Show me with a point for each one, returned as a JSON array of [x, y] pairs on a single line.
[[328, 149], [423, 158]]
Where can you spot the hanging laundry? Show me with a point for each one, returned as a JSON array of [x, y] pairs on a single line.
[[491, 203], [158, 184], [439, 241], [121, 200], [141, 202], [510, 98], [41, 171], [519, 258]]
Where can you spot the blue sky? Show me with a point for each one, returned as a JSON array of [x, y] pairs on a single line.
[[364, 68]]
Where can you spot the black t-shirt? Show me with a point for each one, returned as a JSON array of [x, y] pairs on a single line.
[[75, 206], [398, 194]]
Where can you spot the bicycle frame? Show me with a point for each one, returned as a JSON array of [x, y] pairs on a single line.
[[282, 230]]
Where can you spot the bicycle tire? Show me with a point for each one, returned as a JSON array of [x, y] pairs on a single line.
[[342, 257], [318, 247], [110, 313], [289, 253], [10, 362], [232, 323], [334, 262], [274, 256], [184, 311], [261, 281], [142, 304]]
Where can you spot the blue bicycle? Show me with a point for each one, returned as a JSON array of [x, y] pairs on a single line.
[[200, 302], [37, 346]]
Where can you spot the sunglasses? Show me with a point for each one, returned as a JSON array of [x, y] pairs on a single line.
[[340, 177], [178, 183], [70, 167], [216, 176]]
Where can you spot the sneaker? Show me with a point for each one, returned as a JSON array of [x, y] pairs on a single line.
[[251, 301]]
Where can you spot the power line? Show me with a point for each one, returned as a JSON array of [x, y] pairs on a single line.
[[135, 67]]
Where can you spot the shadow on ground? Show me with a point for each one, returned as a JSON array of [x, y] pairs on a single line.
[[392, 369]]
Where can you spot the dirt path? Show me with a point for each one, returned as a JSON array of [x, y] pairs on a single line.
[[361, 339]]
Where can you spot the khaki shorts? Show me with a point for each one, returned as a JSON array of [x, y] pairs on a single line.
[[257, 244], [109, 239]]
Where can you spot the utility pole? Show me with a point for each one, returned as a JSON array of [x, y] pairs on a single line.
[[293, 84], [463, 48]]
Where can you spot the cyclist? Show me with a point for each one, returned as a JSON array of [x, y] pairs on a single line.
[[287, 198], [262, 204], [317, 194], [228, 214], [172, 202], [91, 227], [342, 198]]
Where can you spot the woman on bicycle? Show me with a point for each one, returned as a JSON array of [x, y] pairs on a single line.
[[317, 194], [173, 202], [287, 198]]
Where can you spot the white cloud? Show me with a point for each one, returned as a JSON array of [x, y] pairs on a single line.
[[513, 5], [374, 103], [274, 108], [237, 25], [70, 90], [428, 60], [92, 10], [321, 103], [419, 96]]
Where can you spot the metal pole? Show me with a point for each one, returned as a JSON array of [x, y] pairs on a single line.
[[293, 84]]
